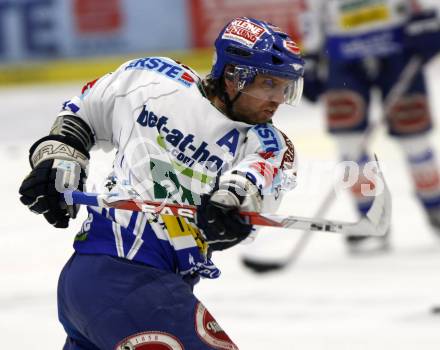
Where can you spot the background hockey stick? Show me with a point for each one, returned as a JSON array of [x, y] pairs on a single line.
[[260, 264], [263, 266], [375, 223]]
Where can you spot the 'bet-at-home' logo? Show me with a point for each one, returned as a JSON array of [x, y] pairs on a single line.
[[184, 149]]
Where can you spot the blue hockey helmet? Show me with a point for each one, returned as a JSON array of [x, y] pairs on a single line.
[[258, 47]]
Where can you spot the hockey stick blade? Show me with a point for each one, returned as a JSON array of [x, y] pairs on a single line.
[[375, 223], [379, 215], [262, 267]]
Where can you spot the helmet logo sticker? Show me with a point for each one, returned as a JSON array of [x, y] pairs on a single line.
[[291, 46], [243, 31]]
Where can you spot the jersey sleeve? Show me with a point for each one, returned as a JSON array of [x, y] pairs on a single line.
[[95, 105], [269, 160]]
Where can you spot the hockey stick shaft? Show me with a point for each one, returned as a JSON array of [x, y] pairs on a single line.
[[401, 86], [259, 219]]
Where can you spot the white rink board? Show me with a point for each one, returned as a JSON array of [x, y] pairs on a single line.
[[329, 300]]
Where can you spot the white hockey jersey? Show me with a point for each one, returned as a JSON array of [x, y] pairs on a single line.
[[352, 29], [171, 144]]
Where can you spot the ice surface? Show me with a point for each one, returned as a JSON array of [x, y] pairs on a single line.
[[328, 300]]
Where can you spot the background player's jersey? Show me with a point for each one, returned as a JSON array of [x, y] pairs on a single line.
[[353, 29], [171, 144]]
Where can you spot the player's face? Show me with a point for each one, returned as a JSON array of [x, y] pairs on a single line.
[[259, 101]]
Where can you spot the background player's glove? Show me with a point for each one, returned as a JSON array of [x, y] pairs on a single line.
[[58, 162], [422, 34], [218, 214], [314, 84]]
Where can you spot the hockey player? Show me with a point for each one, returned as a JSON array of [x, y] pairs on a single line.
[[179, 138], [366, 45]]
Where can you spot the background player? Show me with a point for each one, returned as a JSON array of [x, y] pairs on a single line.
[[178, 138], [365, 45]]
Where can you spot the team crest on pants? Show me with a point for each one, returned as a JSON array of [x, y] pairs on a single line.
[[209, 330], [150, 341]]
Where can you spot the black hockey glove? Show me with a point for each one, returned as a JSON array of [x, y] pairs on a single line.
[[422, 34], [314, 84], [58, 162], [218, 214]]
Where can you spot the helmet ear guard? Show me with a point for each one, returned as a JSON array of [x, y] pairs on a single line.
[[229, 73], [241, 75]]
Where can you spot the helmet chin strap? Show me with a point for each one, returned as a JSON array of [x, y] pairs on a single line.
[[230, 104]]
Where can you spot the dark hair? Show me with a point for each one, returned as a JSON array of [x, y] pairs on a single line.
[[211, 86], [215, 87]]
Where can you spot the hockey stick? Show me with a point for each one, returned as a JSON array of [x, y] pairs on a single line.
[[399, 88], [375, 223], [263, 266]]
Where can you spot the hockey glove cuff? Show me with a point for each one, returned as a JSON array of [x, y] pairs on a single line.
[[59, 162]]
